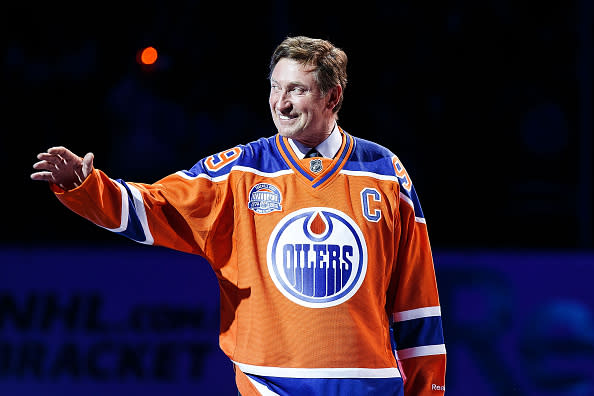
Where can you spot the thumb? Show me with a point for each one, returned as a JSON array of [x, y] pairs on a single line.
[[87, 164]]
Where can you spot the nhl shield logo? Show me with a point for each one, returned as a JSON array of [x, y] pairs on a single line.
[[265, 198], [317, 257], [315, 165]]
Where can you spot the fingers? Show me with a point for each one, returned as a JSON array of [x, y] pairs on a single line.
[[58, 155], [47, 169], [63, 152], [42, 176], [50, 162], [62, 167], [47, 156], [53, 162], [57, 158], [45, 165]]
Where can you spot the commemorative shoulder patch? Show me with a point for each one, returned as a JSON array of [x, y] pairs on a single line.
[[265, 198]]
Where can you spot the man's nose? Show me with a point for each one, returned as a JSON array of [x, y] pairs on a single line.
[[283, 102]]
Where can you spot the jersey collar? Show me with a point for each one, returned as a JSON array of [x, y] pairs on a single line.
[[329, 173]]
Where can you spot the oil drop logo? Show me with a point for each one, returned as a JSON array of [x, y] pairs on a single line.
[[317, 257]]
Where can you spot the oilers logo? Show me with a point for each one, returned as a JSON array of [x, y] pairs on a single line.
[[265, 198], [317, 257]]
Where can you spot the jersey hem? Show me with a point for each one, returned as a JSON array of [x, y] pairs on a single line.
[[330, 372]]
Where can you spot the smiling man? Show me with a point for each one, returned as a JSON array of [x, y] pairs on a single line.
[[300, 108], [317, 239]]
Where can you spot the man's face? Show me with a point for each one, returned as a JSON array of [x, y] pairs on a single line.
[[298, 108]]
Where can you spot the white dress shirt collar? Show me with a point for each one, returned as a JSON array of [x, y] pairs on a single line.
[[328, 148]]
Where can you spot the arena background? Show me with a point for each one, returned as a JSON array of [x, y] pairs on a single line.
[[488, 104]]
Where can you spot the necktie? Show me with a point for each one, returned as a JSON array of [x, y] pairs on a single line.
[[313, 153]]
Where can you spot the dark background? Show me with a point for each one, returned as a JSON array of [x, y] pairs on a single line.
[[488, 105]]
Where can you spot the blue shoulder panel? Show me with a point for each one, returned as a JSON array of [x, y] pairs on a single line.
[[261, 155], [374, 158], [371, 157]]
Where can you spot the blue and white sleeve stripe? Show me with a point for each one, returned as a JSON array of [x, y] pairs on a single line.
[[133, 223], [418, 332]]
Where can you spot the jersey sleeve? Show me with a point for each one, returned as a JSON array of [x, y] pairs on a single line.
[[181, 211], [413, 300]]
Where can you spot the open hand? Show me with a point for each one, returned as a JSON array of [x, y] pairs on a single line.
[[62, 167]]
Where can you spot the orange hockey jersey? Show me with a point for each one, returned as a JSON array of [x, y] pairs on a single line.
[[324, 265]]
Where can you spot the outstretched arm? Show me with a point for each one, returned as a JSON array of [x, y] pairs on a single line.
[[62, 167]]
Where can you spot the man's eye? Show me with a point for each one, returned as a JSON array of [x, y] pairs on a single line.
[[299, 90]]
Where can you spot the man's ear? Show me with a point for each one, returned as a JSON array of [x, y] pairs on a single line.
[[333, 96]]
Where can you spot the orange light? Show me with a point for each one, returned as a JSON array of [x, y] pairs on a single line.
[[148, 56]]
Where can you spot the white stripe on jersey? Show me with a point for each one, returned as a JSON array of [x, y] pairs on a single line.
[[125, 209], [202, 176], [369, 174], [263, 389], [295, 372], [412, 205], [289, 171], [426, 350], [236, 168], [261, 173], [416, 313], [141, 213], [407, 200]]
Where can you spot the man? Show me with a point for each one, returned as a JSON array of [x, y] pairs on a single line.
[[316, 237]]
